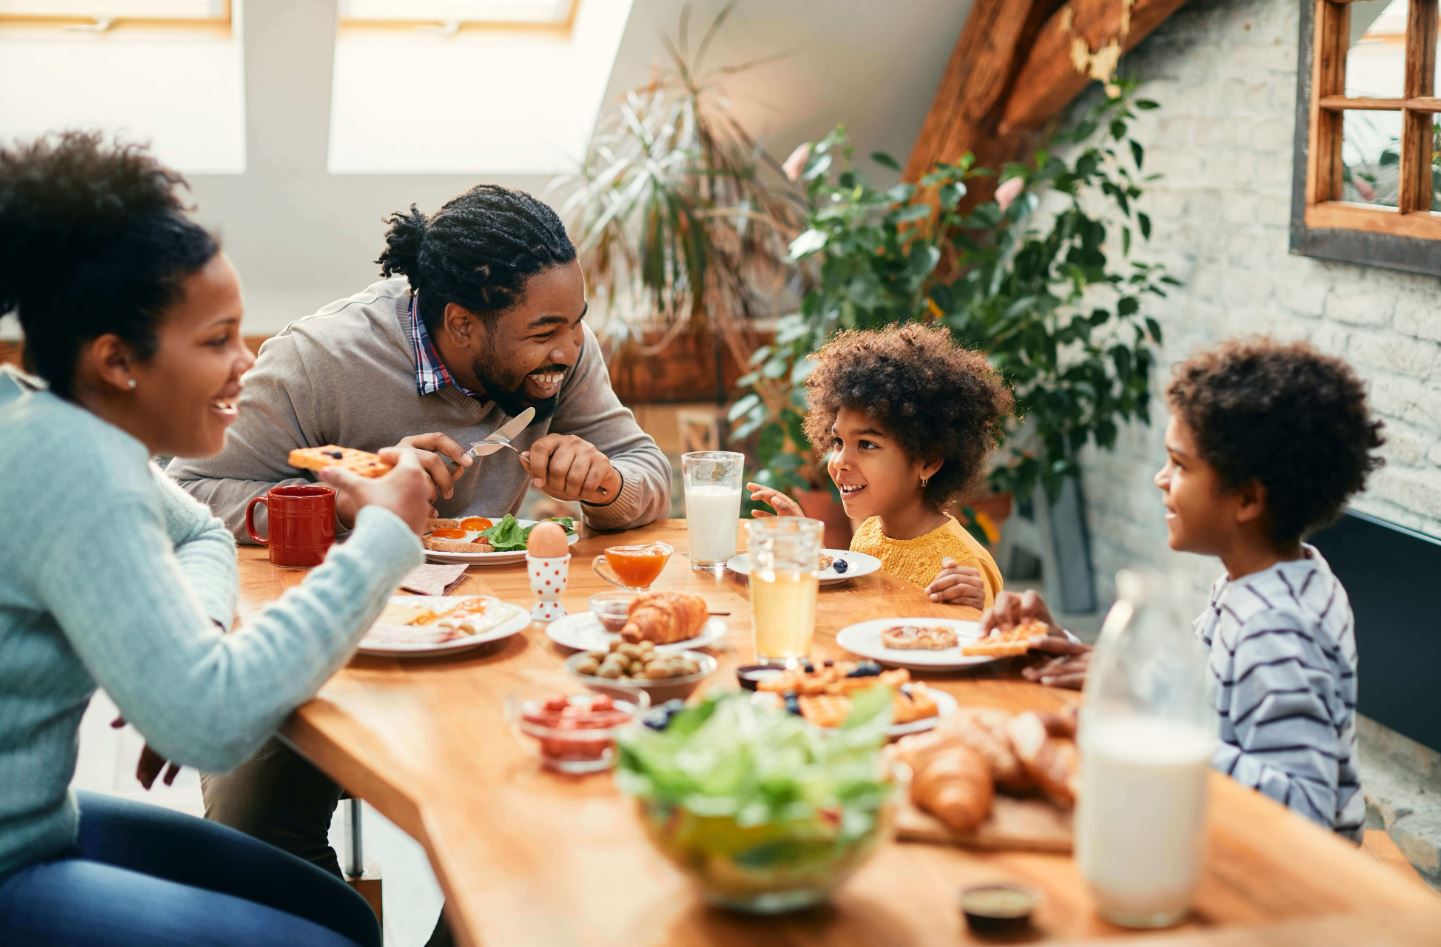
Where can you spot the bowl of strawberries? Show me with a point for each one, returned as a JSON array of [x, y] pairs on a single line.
[[573, 733]]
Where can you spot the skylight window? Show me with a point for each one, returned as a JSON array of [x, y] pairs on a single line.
[[420, 99], [166, 72]]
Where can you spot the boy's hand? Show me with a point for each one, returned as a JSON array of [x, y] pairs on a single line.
[[1011, 609], [782, 504], [956, 584], [1068, 670]]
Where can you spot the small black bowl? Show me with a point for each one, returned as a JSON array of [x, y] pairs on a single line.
[[998, 909], [750, 675]]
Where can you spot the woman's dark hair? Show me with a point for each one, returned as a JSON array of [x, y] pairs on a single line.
[[477, 251], [1283, 415], [93, 240], [940, 401]]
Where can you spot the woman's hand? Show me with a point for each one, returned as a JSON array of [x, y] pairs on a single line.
[[1011, 609], [431, 450], [782, 504], [151, 763], [405, 491], [956, 584]]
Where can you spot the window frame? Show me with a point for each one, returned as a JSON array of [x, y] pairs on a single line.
[[562, 27], [1407, 237], [103, 23]]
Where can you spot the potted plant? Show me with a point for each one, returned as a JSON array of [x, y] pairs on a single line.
[[1055, 299], [682, 220]]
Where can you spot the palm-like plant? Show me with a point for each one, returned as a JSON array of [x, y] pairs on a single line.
[[682, 219]]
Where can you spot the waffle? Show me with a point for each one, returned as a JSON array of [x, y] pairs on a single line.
[[1008, 642], [919, 637]]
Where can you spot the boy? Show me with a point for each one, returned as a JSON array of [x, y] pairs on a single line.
[[1265, 444]]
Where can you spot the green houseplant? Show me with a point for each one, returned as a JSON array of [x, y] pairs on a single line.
[[682, 220], [1054, 297]]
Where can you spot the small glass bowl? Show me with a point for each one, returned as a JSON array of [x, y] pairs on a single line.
[[612, 609], [571, 744], [659, 690]]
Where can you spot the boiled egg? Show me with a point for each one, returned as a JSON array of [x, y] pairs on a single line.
[[547, 541]]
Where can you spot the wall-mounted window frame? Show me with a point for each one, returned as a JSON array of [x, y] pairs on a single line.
[[106, 15], [455, 16], [1408, 236]]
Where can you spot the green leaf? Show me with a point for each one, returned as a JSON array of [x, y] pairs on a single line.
[[885, 160], [1145, 221], [1138, 153], [1128, 306], [1146, 105]]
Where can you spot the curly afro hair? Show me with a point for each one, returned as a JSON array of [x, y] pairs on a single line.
[[938, 400], [1283, 415]]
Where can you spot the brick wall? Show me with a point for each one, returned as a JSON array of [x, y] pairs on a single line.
[[1224, 72]]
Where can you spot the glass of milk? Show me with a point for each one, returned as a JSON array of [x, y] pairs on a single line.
[[1148, 728], [712, 506]]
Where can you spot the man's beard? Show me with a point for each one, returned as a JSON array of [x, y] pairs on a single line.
[[512, 399]]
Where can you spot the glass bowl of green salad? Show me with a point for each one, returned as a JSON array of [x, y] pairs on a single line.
[[765, 812]]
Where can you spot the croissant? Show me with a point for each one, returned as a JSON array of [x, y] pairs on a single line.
[[949, 780], [664, 617], [1046, 747], [983, 729]]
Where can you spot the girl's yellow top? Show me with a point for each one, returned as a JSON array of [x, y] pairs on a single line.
[[918, 560]]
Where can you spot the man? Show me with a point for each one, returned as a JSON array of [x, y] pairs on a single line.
[[486, 321]]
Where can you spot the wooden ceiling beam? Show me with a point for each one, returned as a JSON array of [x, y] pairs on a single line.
[[1052, 76], [978, 76]]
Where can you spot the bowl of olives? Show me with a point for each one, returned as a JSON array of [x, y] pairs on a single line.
[[626, 668]]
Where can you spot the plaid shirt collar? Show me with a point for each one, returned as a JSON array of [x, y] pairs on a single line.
[[431, 375]]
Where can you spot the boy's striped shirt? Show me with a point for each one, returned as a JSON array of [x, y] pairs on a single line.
[[1283, 659]]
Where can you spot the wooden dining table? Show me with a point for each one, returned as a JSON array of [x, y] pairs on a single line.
[[527, 857]]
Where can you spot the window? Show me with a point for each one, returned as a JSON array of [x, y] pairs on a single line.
[[452, 16], [166, 72], [1368, 141]]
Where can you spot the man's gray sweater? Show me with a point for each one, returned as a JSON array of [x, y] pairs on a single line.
[[346, 375]]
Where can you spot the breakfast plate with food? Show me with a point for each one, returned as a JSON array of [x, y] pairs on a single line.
[[670, 621], [416, 625], [836, 565], [480, 540], [934, 644], [821, 693]]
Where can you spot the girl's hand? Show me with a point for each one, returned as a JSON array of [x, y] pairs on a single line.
[[956, 584], [782, 504]]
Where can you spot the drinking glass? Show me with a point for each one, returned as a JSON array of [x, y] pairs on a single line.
[[632, 567], [712, 506], [785, 557]]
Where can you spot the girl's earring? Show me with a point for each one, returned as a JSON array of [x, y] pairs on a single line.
[[133, 383], [924, 480]]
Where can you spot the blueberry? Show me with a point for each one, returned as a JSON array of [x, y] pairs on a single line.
[[809, 667], [334, 453], [830, 663], [840, 566], [865, 669], [660, 716]]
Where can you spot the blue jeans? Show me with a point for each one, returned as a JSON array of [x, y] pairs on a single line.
[[142, 876]]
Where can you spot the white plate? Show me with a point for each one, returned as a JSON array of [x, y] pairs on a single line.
[[864, 639], [583, 631], [857, 563], [945, 706], [488, 558], [514, 619]]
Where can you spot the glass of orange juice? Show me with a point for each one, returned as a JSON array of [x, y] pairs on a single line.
[[632, 567], [785, 557]]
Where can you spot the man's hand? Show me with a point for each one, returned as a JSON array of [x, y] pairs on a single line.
[[782, 504], [956, 584], [1011, 609], [431, 451], [151, 763], [567, 467]]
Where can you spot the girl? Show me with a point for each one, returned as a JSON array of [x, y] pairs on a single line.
[[909, 418], [112, 577]]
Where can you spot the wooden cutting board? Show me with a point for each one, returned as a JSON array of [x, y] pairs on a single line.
[[1032, 825]]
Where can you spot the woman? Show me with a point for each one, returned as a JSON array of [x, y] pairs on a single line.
[[110, 576]]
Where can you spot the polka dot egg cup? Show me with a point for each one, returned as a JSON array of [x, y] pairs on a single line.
[[547, 580]]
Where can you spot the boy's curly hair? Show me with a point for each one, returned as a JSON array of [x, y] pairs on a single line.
[[940, 401], [1287, 416]]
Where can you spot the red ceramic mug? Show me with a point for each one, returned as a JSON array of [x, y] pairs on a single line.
[[302, 523]]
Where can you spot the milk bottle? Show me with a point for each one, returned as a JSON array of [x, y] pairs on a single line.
[[1147, 732]]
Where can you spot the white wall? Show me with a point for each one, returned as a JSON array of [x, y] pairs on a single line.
[[301, 236], [1225, 75]]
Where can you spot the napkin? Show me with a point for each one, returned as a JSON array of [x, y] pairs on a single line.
[[433, 579]]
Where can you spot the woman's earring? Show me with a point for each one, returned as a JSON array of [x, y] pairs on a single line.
[[924, 480], [133, 383]]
